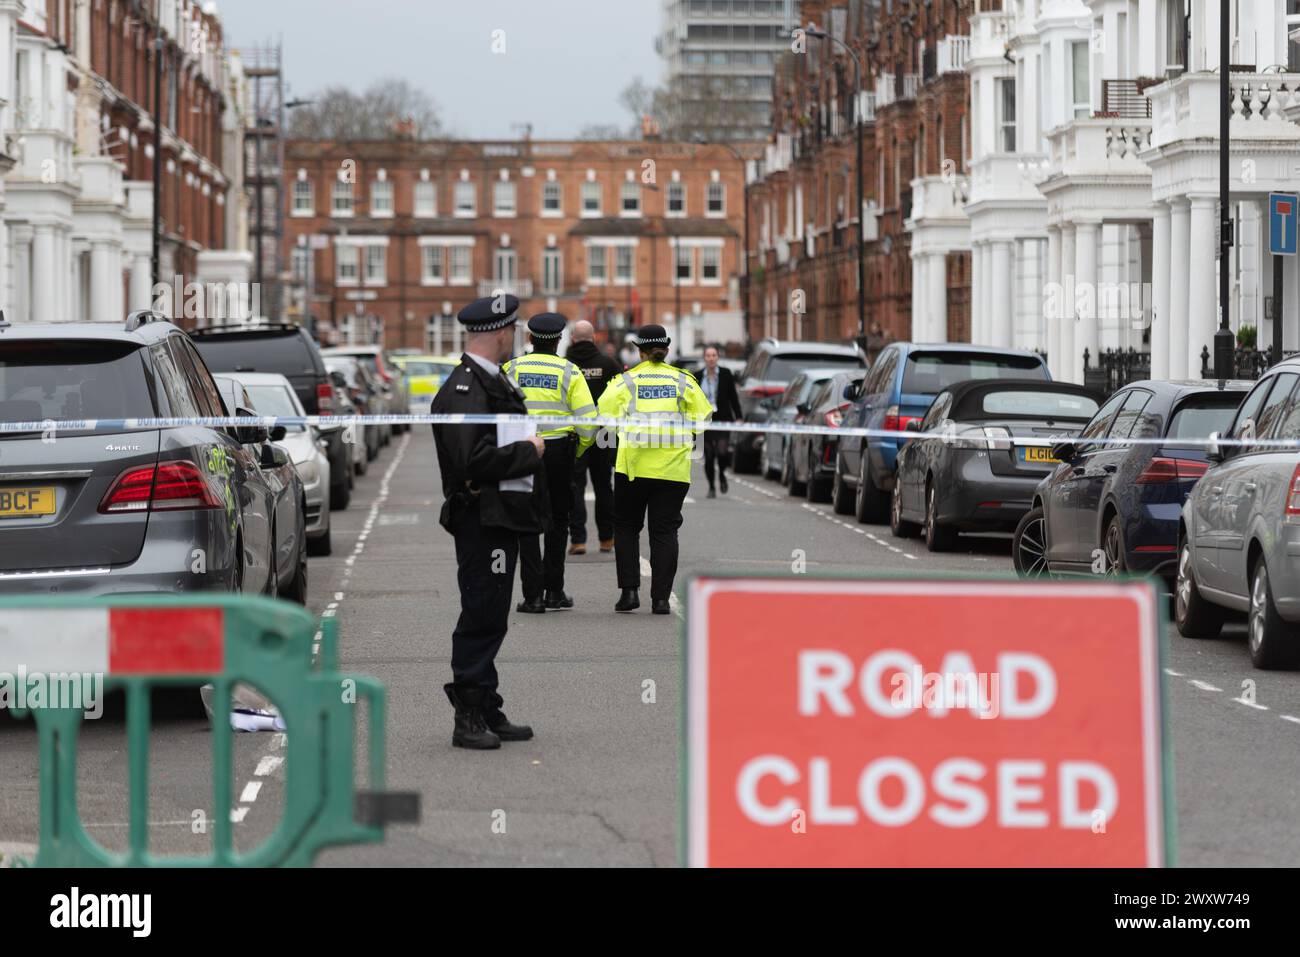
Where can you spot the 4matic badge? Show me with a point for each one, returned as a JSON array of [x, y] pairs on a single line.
[[122, 448]]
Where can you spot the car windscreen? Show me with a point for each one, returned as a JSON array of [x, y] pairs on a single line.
[[1039, 405], [287, 354], [1197, 417], [61, 379], [274, 400], [439, 369], [786, 366], [929, 373]]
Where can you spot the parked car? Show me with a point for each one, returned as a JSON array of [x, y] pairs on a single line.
[[1239, 534], [354, 436], [397, 397], [288, 512], [980, 471], [769, 370], [130, 510], [782, 410], [366, 395], [899, 389], [810, 461], [425, 376], [1121, 503], [273, 395], [287, 349]]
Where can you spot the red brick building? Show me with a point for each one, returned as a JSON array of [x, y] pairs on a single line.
[[391, 238], [914, 98]]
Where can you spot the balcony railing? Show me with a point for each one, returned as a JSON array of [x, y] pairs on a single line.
[[953, 51], [907, 85], [523, 288], [1123, 99], [886, 91]]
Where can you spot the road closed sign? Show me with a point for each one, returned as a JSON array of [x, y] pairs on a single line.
[[923, 723]]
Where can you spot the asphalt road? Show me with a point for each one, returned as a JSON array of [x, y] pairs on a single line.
[[598, 785]]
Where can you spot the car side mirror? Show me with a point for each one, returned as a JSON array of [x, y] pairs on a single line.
[[850, 392], [1214, 451], [802, 408], [273, 456], [250, 434], [278, 433], [1064, 451], [913, 426]]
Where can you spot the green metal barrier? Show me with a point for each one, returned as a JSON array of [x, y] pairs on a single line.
[[143, 642]]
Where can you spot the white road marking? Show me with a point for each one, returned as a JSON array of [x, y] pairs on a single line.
[[250, 792], [1203, 685], [1250, 704], [267, 764], [1290, 717], [1173, 674]]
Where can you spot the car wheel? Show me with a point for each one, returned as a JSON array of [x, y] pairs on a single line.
[[841, 497], [237, 579], [1112, 546], [340, 495], [744, 460], [1273, 641], [938, 538], [1194, 616], [900, 527], [766, 467], [296, 591], [816, 487], [1029, 546], [272, 588], [324, 545], [869, 503], [789, 477]]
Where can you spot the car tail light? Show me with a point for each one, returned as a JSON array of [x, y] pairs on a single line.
[[1163, 469], [986, 438], [170, 485], [763, 391], [1293, 494], [835, 416], [895, 422], [325, 398]]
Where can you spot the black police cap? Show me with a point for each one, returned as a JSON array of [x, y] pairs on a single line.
[[652, 336], [489, 313], [547, 325]]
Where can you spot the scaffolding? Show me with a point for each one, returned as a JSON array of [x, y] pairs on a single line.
[[264, 172]]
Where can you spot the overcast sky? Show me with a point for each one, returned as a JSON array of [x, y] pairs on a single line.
[[564, 65]]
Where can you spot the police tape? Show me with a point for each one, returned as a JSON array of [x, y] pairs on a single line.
[[968, 435]]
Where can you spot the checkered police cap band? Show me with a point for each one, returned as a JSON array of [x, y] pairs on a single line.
[[495, 324], [662, 340], [545, 335]]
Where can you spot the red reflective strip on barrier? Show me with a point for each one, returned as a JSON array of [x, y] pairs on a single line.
[[166, 641]]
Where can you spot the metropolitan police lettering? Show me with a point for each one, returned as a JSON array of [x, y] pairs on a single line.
[[538, 380], [656, 391]]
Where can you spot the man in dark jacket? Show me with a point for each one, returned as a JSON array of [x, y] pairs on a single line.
[[597, 368], [719, 386], [488, 478]]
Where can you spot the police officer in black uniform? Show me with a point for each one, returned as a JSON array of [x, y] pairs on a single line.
[[493, 493]]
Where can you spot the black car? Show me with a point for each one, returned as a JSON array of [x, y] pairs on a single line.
[[991, 449], [1112, 508], [810, 460], [289, 350], [768, 372]]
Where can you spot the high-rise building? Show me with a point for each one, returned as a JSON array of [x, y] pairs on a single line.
[[719, 56]]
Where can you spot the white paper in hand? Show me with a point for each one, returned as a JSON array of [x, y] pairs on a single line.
[[507, 433]]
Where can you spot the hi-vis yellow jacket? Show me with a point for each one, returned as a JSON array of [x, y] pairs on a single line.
[[554, 386], [655, 391]]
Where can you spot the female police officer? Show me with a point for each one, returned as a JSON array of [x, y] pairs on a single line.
[[653, 468]]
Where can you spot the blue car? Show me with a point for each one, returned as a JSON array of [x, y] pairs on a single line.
[[1114, 508], [899, 388]]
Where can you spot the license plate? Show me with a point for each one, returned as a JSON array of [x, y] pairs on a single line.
[[1037, 455], [26, 502]]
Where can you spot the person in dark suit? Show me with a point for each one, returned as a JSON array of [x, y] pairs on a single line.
[[493, 486], [719, 386], [597, 368]]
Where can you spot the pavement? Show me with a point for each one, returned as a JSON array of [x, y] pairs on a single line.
[[598, 785]]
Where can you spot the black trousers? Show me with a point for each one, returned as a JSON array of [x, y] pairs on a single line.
[[485, 572], [660, 500], [600, 463], [717, 448], [538, 571]]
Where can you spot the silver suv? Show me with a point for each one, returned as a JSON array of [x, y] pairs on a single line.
[[1239, 536]]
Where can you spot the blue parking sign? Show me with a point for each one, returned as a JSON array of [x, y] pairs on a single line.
[[1283, 210]]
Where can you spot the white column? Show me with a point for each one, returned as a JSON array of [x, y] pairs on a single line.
[[43, 292], [1070, 363], [1085, 278], [986, 295], [936, 297], [919, 331], [1052, 305], [1160, 290], [1179, 250], [101, 291], [976, 291], [1202, 293], [141, 283], [1003, 301]]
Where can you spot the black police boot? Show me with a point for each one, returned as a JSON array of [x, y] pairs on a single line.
[[558, 599], [660, 606], [471, 730], [496, 720], [532, 606], [628, 600]]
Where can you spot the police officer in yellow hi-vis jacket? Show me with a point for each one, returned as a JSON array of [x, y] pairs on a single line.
[[653, 469], [552, 386]]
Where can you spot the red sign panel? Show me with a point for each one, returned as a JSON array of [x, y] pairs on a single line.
[[923, 723]]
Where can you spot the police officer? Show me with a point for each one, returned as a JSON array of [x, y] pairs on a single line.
[[653, 468], [552, 386], [488, 481], [598, 369]]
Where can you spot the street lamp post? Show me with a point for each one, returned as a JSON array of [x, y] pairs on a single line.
[[1223, 339], [155, 253], [862, 233]]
